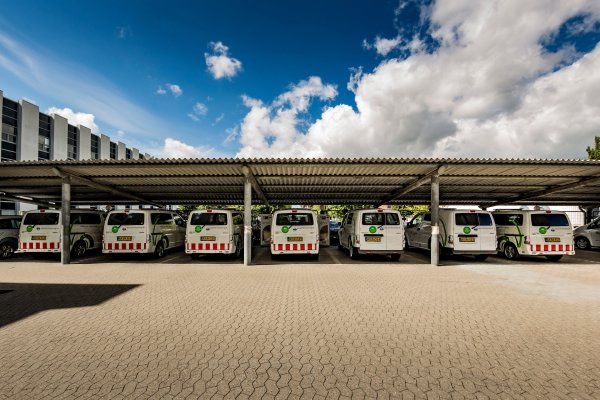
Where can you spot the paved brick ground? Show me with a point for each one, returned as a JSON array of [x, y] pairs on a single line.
[[386, 330]]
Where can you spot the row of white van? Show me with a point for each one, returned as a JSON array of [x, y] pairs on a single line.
[[296, 231]]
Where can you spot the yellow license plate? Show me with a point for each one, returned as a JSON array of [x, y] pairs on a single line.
[[38, 238], [466, 239], [294, 238], [552, 239], [208, 238], [124, 238], [372, 238]]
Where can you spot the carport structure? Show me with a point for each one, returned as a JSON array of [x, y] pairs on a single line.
[[435, 181]]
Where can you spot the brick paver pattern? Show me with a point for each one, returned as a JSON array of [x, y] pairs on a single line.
[[301, 331]]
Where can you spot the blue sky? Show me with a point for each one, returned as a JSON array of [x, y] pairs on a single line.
[[426, 78]]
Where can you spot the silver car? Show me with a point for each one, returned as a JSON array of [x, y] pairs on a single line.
[[9, 235], [588, 235]]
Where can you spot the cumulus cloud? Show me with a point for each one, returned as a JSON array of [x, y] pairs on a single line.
[[75, 118], [176, 149], [488, 88], [382, 45], [219, 63], [160, 91], [199, 110], [175, 89]]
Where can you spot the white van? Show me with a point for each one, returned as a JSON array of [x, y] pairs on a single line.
[[9, 235], [323, 223], [588, 235], [142, 231], [534, 233], [265, 228], [215, 232], [295, 231], [40, 231], [372, 231], [467, 232]]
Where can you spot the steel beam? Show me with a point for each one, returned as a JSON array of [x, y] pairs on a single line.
[[247, 221], [65, 213], [412, 186], [30, 200], [250, 177], [105, 188], [435, 227]]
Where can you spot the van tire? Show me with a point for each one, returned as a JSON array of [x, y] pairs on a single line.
[[395, 257], [554, 258], [7, 250], [481, 257], [510, 251], [159, 251], [79, 249], [315, 257], [582, 243]]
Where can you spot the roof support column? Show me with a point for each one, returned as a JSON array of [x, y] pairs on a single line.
[[247, 221], [435, 227], [65, 213]]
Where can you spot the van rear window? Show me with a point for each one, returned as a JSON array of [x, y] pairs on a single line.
[[296, 219], [209, 219], [380, 219], [41, 219], [473, 219], [126, 219], [85, 219], [508, 219], [549, 220]]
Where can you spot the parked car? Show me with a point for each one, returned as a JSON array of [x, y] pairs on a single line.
[[40, 231], [143, 231], [372, 231], [467, 232], [9, 235], [588, 235], [334, 233], [295, 231], [215, 232], [534, 233]]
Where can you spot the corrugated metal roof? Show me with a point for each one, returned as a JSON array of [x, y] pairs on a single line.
[[315, 181]]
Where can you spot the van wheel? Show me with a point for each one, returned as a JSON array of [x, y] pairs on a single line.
[[79, 249], [315, 256], [194, 256], [352, 251], [582, 243], [510, 251], [481, 257], [159, 251], [554, 258], [7, 250], [395, 257]]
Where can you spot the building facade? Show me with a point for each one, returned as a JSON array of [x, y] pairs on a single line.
[[28, 134]]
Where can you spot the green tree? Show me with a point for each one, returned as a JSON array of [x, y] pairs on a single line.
[[594, 152]]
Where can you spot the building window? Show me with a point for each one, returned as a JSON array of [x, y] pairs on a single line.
[[141, 156], [44, 137], [10, 110], [95, 147], [113, 151], [128, 154], [72, 137]]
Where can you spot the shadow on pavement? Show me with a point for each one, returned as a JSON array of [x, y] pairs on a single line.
[[21, 300]]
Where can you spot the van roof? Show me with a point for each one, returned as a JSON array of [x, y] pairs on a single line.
[[288, 210], [508, 210], [145, 211], [373, 209], [215, 209], [73, 210]]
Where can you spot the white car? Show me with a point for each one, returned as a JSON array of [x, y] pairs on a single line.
[[467, 232], [9, 235], [372, 231], [215, 232], [295, 231], [587, 236]]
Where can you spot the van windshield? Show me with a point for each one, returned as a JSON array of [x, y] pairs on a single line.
[[296, 219], [41, 219], [209, 219], [473, 219], [380, 218], [126, 219], [549, 220]]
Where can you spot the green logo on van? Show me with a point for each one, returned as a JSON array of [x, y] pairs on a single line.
[[466, 230], [29, 228], [372, 229], [285, 229], [543, 230], [198, 228], [115, 229]]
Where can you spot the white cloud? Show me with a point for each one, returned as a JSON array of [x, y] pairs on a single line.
[[200, 109], [218, 119], [382, 45], [123, 32], [219, 63], [120, 133], [175, 89], [176, 149], [489, 90], [193, 117], [160, 91], [75, 118]]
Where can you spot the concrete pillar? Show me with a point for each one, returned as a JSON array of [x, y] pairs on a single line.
[[65, 213], [104, 147], [247, 222], [58, 138], [120, 151], [29, 130], [135, 154], [435, 220], [84, 151]]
